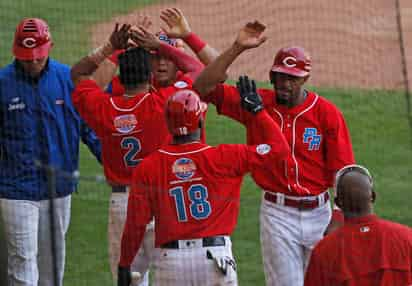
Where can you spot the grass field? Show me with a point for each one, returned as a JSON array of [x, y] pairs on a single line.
[[376, 119]]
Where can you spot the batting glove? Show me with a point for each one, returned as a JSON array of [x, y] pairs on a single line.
[[124, 277], [249, 98]]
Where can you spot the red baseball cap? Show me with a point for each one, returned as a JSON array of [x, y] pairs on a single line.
[[293, 61], [32, 39]]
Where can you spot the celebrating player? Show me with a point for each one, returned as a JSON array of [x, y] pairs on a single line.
[[130, 126], [193, 190], [367, 250], [294, 211]]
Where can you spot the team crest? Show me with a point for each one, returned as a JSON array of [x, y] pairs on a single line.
[[311, 137], [125, 123], [184, 168], [181, 84]]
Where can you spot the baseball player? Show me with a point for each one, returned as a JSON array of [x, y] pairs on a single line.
[[367, 250], [295, 207], [192, 190], [38, 126], [164, 61], [130, 126]]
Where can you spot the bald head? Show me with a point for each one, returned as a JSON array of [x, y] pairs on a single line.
[[355, 194]]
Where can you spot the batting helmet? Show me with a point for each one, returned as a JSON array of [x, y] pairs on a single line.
[[183, 112], [32, 39], [293, 61]]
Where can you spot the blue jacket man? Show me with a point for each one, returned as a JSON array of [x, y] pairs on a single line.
[[39, 128]]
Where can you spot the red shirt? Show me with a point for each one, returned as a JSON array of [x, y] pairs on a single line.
[[182, 81], [366, 251], [317, 135], [193, 190], [128, 128]]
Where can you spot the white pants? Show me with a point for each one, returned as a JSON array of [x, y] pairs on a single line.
[[27, 232], [117, 219], [288, 236], [190, 266]]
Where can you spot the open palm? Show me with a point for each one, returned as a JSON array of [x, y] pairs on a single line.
[[250, 36]]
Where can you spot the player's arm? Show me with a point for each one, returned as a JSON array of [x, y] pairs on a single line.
[[178, 27], [90, 139], [107, 69], [190, 66], [250, 36], [139, 214], [314, 275], [88, 65]]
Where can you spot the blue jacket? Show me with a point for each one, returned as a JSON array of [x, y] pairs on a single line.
[[39, 124]]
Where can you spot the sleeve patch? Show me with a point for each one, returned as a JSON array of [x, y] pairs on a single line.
[[263, 149], [181, 84]]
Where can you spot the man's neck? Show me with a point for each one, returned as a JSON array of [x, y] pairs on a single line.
[[132, 92]]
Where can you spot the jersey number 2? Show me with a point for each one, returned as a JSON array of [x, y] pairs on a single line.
[[199, 205], [133, 147]]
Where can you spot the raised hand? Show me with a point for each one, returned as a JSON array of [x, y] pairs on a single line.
[[119, 37], [177, 24], [250, 36], [145, 39]]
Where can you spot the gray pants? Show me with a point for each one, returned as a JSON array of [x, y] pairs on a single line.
[[27, 232]]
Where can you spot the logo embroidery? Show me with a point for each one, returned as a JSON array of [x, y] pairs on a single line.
[[181, 84], [312, 137], [184, 168], [125, 123], [263, 149]]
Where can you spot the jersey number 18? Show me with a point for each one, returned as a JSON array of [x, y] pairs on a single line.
[[199, 206]]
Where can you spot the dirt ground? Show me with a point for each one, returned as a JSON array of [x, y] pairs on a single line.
[[352, 43]]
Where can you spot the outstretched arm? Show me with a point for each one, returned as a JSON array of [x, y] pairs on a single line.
[[87, 65], [178, 27], [250, 36], [184, 62]]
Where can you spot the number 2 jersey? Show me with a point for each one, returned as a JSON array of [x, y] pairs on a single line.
[[193, 189], [128, 128]]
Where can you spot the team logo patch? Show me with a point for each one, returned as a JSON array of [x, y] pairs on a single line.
[[364, 229], [125, 123], [59, 101], [184, 168], [181, 84], [263, 149], [311, 137]]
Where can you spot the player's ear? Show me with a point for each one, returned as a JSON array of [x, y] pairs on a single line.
[[338, 202]]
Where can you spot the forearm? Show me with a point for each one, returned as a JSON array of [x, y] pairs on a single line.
[[131, 241], [89, 64], [184, 62], [215, 72], [204, 52]]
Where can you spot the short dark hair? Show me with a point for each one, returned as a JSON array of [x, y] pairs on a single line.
[[135, 68]]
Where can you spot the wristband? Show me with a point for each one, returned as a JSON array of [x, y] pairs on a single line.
[[99, 54], [114, 57], [194, 42]]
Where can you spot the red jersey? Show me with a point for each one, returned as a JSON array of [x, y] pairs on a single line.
[[129, 128], [193, 190], [315, 130], [182, 81], [366, 251]]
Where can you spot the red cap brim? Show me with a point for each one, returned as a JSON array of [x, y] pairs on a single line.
[[26, 54], [290, 71]]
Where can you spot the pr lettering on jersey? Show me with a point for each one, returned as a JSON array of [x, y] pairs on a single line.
[[311, 137], [184, 168], [125, 123]]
